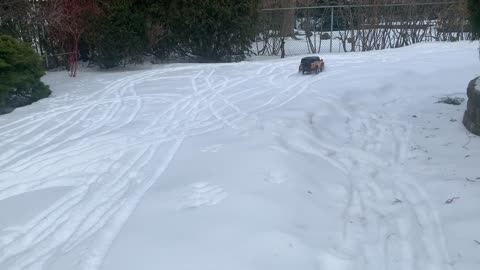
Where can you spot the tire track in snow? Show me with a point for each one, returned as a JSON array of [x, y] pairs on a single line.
[[9, 253], [96, 208], [67, 125], [386, 214]]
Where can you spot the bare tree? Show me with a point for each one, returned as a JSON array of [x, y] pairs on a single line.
[[67, 21]]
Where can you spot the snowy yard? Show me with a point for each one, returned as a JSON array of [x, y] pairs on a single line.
[[247, 166]]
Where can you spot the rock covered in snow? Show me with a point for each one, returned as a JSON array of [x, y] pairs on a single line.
[[471, 118]]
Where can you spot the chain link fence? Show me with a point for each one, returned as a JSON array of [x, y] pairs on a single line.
[[349, 28]]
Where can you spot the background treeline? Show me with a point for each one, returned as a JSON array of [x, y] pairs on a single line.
[[110, 33], [116, 32]]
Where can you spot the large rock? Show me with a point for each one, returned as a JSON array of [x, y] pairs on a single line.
[[471, 118]]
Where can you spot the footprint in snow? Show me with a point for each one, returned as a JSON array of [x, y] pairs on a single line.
[[212, 148], [202, 194], [275, 177], [390, 59], [278, 148]]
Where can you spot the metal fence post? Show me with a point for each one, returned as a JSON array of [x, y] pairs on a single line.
[[331, 29]]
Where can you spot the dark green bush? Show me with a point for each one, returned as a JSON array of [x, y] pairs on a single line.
[[20, 72], [474, 18], [214, 30], [119, 36]]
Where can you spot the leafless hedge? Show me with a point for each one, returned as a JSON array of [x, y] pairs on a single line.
[[358, 25]]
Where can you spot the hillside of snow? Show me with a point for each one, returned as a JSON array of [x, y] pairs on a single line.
[[247, 166]]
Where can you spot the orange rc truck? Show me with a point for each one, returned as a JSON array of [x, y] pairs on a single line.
[[311, 64]]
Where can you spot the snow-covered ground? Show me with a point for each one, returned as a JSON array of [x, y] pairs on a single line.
[[247, 166]]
